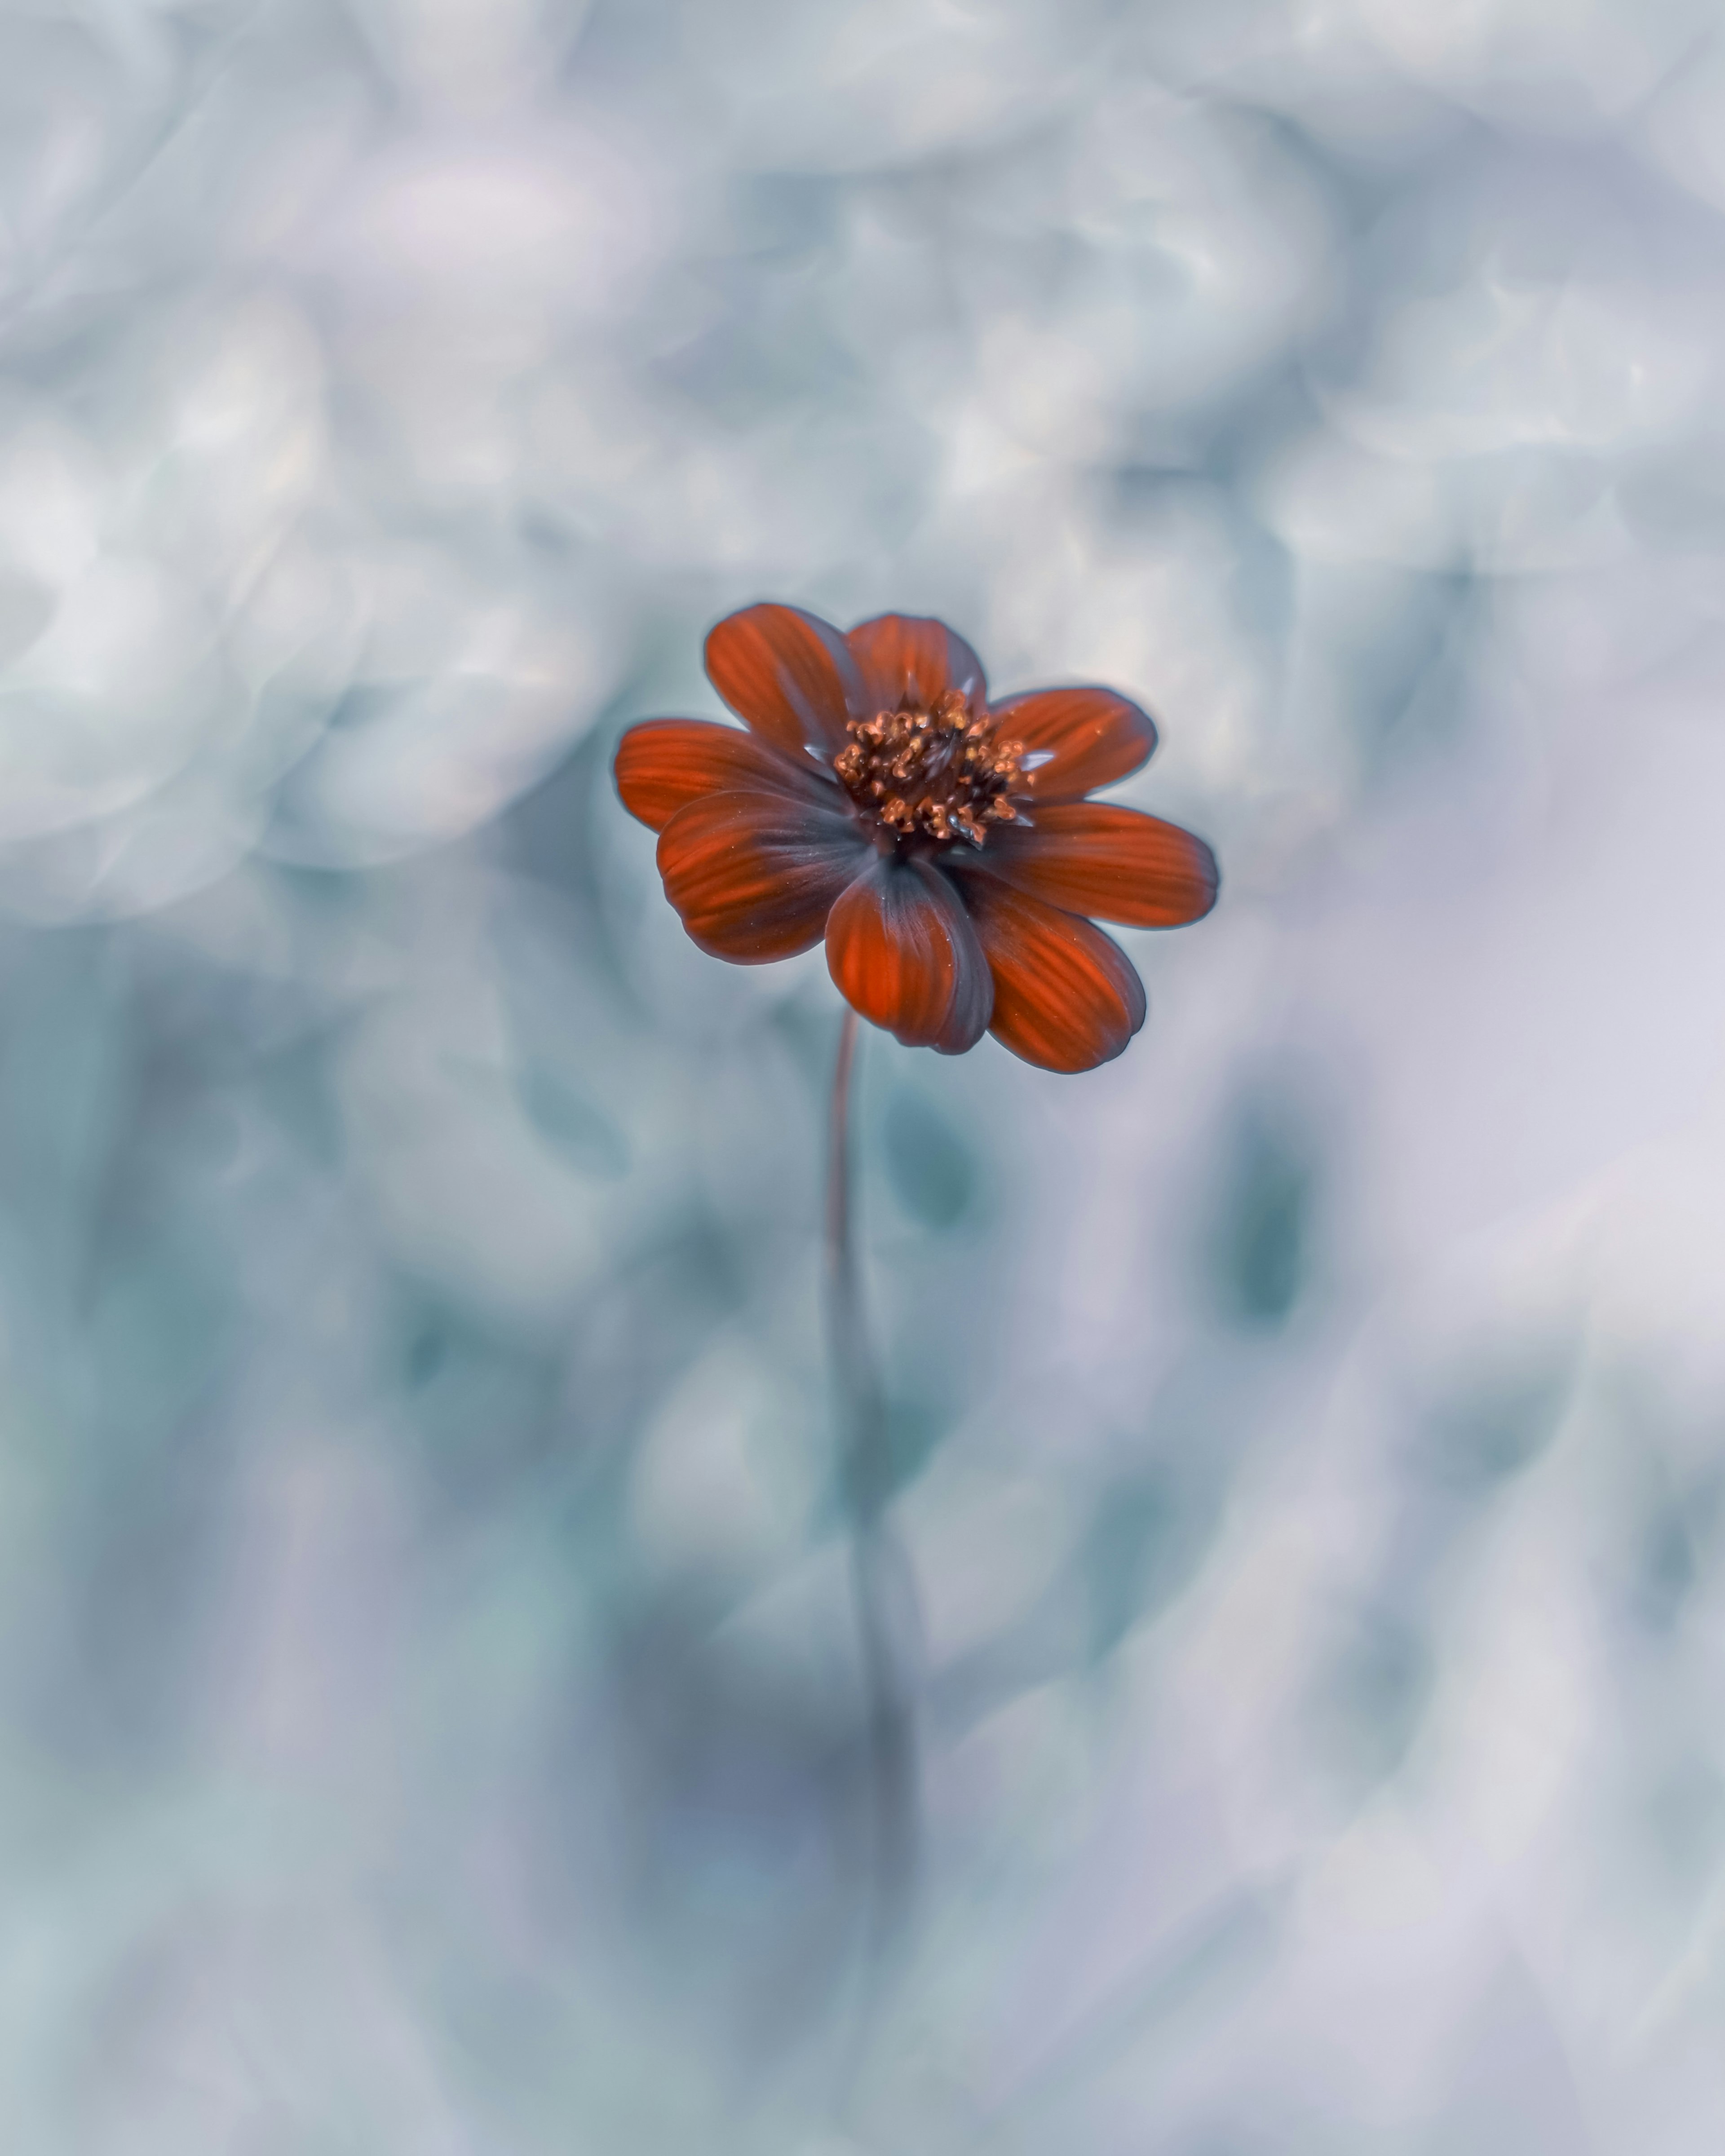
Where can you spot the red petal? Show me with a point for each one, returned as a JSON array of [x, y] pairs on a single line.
[[789, 675], [1065, 996], [901, 948], [1113, 863], [1092, 738], [754, 875], [664, 764], [912, 659]]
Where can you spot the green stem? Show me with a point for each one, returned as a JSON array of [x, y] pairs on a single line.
[[882, 1583]]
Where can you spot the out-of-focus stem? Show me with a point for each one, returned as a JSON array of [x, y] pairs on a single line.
[[880, 1580]]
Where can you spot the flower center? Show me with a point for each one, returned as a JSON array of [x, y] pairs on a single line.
[[937, 774]]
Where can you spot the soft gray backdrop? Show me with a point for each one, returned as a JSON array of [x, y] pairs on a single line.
[[427, 1718]]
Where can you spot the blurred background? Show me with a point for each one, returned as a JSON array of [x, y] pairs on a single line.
[[428, 1691]]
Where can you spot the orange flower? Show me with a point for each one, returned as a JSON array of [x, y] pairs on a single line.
[[941, 845]]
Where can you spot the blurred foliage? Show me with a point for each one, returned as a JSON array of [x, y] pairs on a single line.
[[1263, 1224], [932, 1172], [432, 1708]]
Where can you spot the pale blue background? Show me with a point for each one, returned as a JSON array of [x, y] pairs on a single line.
[[427, 1716]]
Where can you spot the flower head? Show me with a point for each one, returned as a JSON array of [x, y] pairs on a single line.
[[941, 845]]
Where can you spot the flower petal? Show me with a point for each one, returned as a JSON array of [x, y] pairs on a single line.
[[754, 875], [912, 659], [1113, 863], [1065, 995], [1091, 738], [787, 675], [901, 949], [664, 764]]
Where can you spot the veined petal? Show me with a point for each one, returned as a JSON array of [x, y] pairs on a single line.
[[1090, 736], [1113, 863], [901, 949], [913, 659], [1065, 995], [787, 675], [664, 764], [754, 875]]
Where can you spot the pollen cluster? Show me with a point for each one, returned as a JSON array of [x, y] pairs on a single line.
[[936, 774]]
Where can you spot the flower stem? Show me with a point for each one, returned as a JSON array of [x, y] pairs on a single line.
[[882, 1587]]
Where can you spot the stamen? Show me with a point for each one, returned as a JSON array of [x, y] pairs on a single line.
[[942, 773]]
